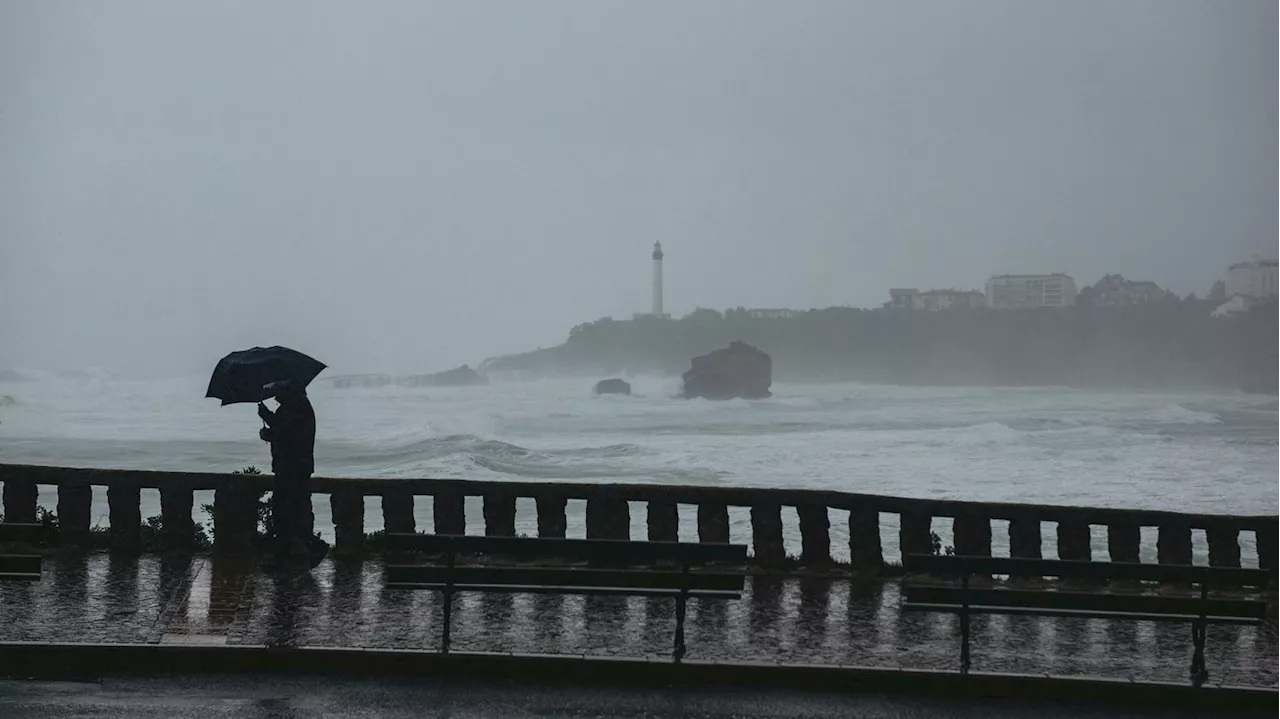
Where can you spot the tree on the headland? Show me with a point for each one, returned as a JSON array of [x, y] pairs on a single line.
[[1218, 292]]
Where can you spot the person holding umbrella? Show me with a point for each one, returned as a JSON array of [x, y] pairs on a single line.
[[291, 430], [258, 374]]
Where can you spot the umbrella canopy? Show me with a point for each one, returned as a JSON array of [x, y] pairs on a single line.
[[255, 374]]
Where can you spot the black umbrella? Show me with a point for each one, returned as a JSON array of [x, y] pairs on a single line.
[[256, 374]]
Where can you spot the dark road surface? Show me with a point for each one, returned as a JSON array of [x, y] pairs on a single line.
[[227, 697]]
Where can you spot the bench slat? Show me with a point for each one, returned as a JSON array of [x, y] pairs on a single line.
[[21, 532], [1087, 570], [565, 576], [550, 589], [20, 564], [1033, 600], [19, 577], [1080, 613], [582, 549]]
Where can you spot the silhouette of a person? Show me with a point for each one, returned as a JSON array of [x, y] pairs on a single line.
[[291, 430]]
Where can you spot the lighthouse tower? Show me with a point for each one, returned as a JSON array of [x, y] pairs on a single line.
[[657, 279]]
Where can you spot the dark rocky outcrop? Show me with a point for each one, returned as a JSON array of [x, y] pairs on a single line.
[[457, 377], [613, 386], [738, 370]]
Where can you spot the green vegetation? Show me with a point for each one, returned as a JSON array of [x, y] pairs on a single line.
[[100, 537]]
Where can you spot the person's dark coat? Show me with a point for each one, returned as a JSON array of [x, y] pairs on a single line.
[[291, 430]]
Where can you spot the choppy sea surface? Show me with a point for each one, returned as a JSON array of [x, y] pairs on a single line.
[[1190, 451]]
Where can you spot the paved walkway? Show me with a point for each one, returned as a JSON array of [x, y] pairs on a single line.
[[236, 696], [814, 621]]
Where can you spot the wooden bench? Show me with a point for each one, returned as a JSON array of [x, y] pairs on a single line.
[[1092, 600], [20, 567], [614, 567]]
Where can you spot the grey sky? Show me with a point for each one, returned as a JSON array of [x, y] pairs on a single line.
[[407, 186]]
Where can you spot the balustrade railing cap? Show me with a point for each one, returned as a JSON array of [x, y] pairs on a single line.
[[682, 494]]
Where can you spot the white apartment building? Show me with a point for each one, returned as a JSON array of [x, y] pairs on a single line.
[[1255, 278], [1013, 291]]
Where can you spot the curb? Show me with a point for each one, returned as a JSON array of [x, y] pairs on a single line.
[[78, 660]]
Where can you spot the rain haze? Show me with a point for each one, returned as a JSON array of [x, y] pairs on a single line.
[[839, 293], [408, 186]]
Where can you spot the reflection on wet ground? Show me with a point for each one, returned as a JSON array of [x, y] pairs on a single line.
[[153, 599]]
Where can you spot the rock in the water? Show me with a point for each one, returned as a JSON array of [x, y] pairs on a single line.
[[738, 370], [613, 386]]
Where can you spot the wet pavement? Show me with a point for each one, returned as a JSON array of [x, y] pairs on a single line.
[[235, 696], [153, 599]]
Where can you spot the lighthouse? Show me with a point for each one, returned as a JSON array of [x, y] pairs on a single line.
[[657, 279]]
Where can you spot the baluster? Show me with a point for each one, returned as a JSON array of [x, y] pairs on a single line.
[[915, 534], [397, 512], [75, 502], [713, 523], [608, 517], [551, 515], [177, 528], [347, 508], [449, 512], [1224, 546], [20, 497], [499, 514], [1074, 541], [1124, 542], [815, 535], [124, 507], [1024, 538], [1173, 544], [766, 535], [235, 520], [972, 535], [864, 538], [664, 521]]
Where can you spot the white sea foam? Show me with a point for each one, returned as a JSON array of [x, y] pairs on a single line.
[[1149, 449]]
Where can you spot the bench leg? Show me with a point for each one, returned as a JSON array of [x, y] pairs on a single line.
[[678, 652], [1199, 673], [964, 628], [448, 621]]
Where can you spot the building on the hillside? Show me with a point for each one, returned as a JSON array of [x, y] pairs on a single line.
[[910, 298], [1255, 278], [782, 314], [936, 300], [1234, 306], [901, 298], [1114, 290], [1015, 291]]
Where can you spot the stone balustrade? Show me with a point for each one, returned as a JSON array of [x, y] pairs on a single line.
[[608, 516]]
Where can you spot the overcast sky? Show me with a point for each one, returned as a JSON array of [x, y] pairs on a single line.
[[407, 186]]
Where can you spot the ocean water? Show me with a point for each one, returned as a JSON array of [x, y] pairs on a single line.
[[1189, 451]]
